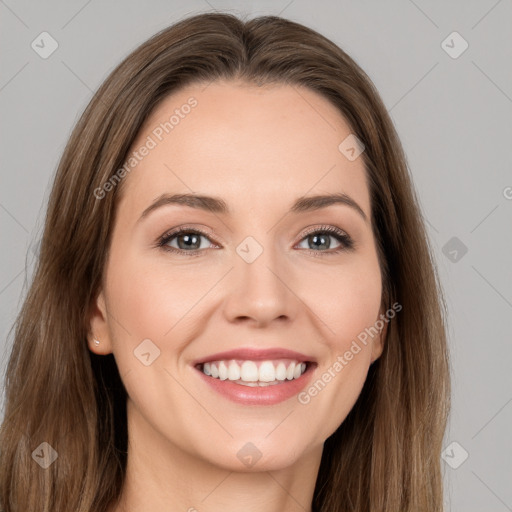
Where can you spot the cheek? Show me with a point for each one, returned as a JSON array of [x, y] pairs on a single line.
[[137, 300], [347, 302], [150, 297], [347, 299]]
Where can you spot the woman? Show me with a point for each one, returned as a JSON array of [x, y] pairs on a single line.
[[235, 305]]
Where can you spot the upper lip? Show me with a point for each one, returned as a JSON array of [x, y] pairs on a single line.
[[255, 354]]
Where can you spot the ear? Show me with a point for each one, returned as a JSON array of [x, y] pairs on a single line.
[[378, 341], [99, 329]]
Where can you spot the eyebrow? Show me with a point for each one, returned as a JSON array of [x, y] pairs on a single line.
[[218, 205]]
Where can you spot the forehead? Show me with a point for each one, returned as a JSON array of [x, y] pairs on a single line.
[[248, 144]]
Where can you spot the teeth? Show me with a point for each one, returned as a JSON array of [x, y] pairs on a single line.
[[267, 372], [233, 371], [281, 371], [257, 384], [248, 373], [223, 371]]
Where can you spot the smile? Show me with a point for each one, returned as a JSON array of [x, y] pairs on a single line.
[[253, 382], [255, 373]]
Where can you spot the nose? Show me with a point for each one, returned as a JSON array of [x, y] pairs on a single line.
[[260, 292]]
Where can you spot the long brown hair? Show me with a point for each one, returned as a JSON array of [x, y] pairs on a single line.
[[385, 456]]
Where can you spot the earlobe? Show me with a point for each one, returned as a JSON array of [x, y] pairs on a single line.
[[99, 334]]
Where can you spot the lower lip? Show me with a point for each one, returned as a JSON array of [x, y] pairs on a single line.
[[264, 395]]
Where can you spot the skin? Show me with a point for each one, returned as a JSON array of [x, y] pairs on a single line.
[[259, 149]]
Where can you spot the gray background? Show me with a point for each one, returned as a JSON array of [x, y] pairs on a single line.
[[452, 114]]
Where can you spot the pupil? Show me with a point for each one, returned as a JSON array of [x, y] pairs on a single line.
[[320, 241], [188, 241]]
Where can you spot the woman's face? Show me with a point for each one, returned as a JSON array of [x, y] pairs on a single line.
[[249, 272]]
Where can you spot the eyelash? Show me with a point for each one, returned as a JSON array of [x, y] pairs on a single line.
[[346, 242]]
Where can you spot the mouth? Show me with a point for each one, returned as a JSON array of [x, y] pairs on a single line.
[[255, 377], [255, 373]]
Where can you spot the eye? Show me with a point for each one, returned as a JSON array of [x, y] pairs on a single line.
[[187, 240], [184, 240], [319, 240]]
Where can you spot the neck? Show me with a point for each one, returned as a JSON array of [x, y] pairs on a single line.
[[161, 476]]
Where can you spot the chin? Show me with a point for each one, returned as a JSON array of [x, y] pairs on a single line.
[[244, 455]]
